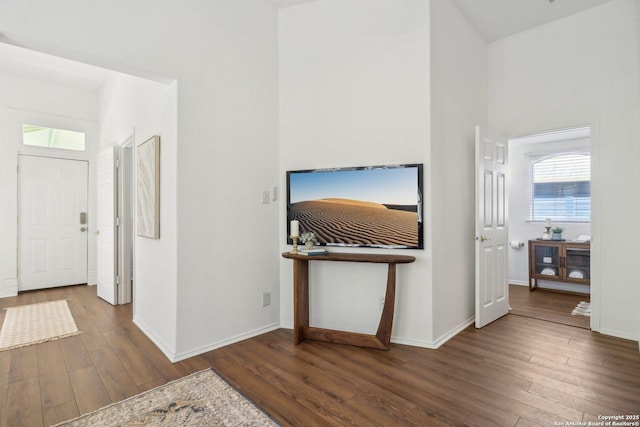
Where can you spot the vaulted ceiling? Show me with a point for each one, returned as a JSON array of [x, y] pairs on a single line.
[[497, 19], [494, 19]]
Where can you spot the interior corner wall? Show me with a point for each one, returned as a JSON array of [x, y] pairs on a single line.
[[458, 103], [583, 70], [354, 91], [146, 108], [223, 55], [59, 106]]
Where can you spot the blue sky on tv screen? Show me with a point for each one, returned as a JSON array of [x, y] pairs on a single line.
[[397, 186]]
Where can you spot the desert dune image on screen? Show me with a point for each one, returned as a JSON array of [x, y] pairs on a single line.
[[377, 207]]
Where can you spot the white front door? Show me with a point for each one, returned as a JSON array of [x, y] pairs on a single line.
[[52, 216], [492, 283], [106, 251]]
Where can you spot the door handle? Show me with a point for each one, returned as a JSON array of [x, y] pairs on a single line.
[[83, 229], [482, 238]]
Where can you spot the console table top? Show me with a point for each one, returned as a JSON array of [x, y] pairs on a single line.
[[354, 257]]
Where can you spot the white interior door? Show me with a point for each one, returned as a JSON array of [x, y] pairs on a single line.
[[125, 228], [492, 283], [52, 243], [106, 225]]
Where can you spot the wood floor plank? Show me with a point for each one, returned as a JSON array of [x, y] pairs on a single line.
[[285, 410], [88, 389], [24, 364], [114, 376], [55, 386], [75, 353], [60, 413], [17, 412], [5, 367], [138, 367], [4, 388]]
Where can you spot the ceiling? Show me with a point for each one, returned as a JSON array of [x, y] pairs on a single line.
[[494, 19], [497, 19], [288, 3], [19, 62]]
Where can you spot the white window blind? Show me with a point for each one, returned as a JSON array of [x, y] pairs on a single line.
[[560, 188]]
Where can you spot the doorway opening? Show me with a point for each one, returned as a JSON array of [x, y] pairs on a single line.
[[550, 226]]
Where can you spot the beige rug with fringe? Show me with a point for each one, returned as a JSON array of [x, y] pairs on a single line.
[[35, 323], [200, 399]]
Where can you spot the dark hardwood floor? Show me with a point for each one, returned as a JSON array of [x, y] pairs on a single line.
[[516, 371], [547, 305]]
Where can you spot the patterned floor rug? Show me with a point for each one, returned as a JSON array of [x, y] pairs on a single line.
[[35, 323], [582, 309], [200, 399]]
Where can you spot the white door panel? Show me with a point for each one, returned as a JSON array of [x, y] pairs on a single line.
[[52, 246], [492, 287], [106, 221]]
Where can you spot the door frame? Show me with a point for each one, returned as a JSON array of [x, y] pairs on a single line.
[[14, 118], [126, 213], [595, 292]]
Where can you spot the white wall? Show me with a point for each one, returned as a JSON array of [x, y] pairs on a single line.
[[223, 56], [38, 102], [459, 103], [584, 70], [354, 91], [130, 103]]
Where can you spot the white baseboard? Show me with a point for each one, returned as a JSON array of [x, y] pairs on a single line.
[[9, 288], [164, 348], [619, 334], [241, 337], [518, 282], [92, 276], [453, 332]]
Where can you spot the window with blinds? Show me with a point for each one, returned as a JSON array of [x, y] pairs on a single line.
[[561, 188]]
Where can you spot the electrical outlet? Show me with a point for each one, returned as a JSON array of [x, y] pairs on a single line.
[[266, 196], [381, 303], [266, 299]]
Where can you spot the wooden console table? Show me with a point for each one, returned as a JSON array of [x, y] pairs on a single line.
[[301, 329]]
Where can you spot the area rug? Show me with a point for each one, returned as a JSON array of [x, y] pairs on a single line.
[[200, 399], [582, 309], [35, 323]]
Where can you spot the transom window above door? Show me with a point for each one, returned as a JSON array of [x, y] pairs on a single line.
[[39, 136]]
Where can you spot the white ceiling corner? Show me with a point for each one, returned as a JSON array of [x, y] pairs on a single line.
[[497, 19], [21, 62]]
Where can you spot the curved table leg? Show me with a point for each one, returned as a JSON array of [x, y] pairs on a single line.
[[386, 320]]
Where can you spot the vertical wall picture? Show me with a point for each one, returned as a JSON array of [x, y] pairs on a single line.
[[148, 188]]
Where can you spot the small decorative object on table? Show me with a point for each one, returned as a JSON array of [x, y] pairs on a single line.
[[308, 239], [294, 233], [547, 234], [557, 233]]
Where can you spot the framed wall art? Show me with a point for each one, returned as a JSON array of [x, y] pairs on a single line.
[[148, 188]]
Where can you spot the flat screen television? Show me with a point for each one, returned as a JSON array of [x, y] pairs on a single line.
[[372, 206]]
